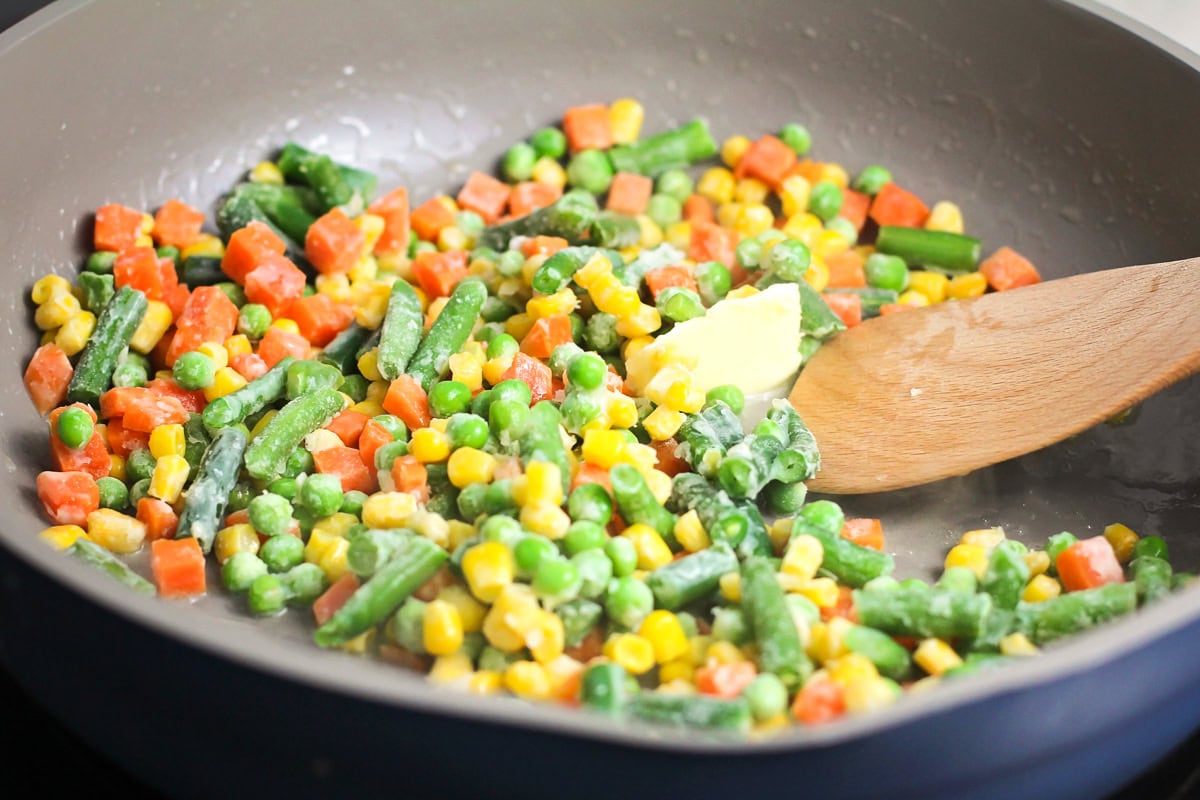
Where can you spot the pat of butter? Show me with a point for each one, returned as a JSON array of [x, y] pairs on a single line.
[[752, 342]]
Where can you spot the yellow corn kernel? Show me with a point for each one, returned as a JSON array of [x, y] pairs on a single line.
[[961, 287], [850, 667], [1122, 538], [494, 369], [945, 216], [545, 638], [817, 274], [753, 219], [750, 190], [780, 533], [745, 290], [596, 266], [75, 332], [240, 538], [793, 195], [830, 243], [366, 270], [443, 629], [266, 172], [226, 380], [935, 656], [716, 184], [115, 531], [603, 448], [651, 233], [912, 298], [827, 640], [723, 653], [319, 544], [644, 320], [931, 284], [458, 532], [468, 369], [625, 120], [372, 226], [652, 551], [60, 537], [622, 411], [360, 644], [377, 390], [659, 484], [684, 396], [972, 556], [690, 533], [983, 537], [543, 483], [1040, 588], [116, 467], [822, 591], [431, 525], [641, 456], [668, 374], [484, 682], [337, 524], [730, 585], [732, 150], [727, 214], [665, 633], [697, 654], [429, 446], [835, 174], [452, 237], [262, 423], [206, 244], [368, 365], [545, 519], [868, 694], [470, 610], [679, 234], [679, 670], [371, 305], [321, 439], [527, 679], [368, 408], [237, 345], [216, 352], [286, 325], [488, 568], [662, 423], [561, 302], [57, 311], [468, 465], [170, 473], [518, 325], [548, 171], [633, 652], [804, 227], [167, 440], [144, 240], [388, 509], [334, 562], [48, 287], [1038, 561], [455, 668], [803, 557], [1018, 644], [336, 287], [513, 614], [47, 337]]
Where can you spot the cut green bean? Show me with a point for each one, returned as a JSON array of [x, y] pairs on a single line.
[[779, 649], [236, 406], [204, 506], [1075, 611], [448, 333], [400, 333], [692, 577], [953, 252], [923, 612], [91, 553], [268, 453], [114, 328], [674, 149], [569, 217]]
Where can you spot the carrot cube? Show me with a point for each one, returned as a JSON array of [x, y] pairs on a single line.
[[177, 224], [629, 193], [1008, 269], [768, 160], [393, 208], [334, 243], [484, 195], [177, 566], [429, 218], [439, 273], [587, 128], [275, 283], [247, 247], [530, 196], [117, 227]]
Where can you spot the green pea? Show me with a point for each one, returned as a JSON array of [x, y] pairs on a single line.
[[628, 601], [549, 142], [825, 200], [530, 552], [767, 696], [75, 427], [194, 371], [356, 387], [481, 404], [1054, 545], [266, 595], [587, 371], [298, 461], [562, 356], [138, 491], [101, 262], [884, 583], [321, 494], [469, 222], [789, 260], [845, 227], [749, 253], [270, 514], [467, 430], [600, 333], [914, 583], [730, 625], [352, 502], [664, 210], [503, 345], [235, 293], [871, 180], [556, 580], [239, 497], [622, 554], [595, 572], [240, 571], [730, 395], [584, 535], [282, 552], [508, 532], [518, 162], [393, 425], [590, 502], [113, 493], [287, 488], [679, 304], [590, 170], [886, 272], [1151, 546], [714, 281], [511, 263], [581, 407], [675, 183], [139, 465], [388, 453], [168, 251], [796, 137], [423, 246], [253, 320], [825, 514], [513, 390], [130, 374], [447, 398]]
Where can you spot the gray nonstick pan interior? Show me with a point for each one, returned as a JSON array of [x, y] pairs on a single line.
[[1048, 125]]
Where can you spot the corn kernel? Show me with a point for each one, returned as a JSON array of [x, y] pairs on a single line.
[[388, 509], [206, 244], [545, 638], [793, 195], [679, 234], [368, 408], [727, 214], [945, 216], [659, 484], [286, 325], [730, 585], [167, 440], [665, 633], [266, 172], [622, 411], [596, 266], [237, 345], [56, 311], [452, 237], [484, 682], [652, 551], [115, 531], [116, 467], [935, 656], [545, 519], [851, 667], [716, 184], [454, 668], [60, 537], [1017, 644], [518, 325], [543, 483], [240, 538], [690, 533], [468, 465], [684, 396], [931, 284], [321, 439], [722, 652], [633, 652], [625, 120], [641, 456], [803, 557], [488, 568], [360, 644], [1038, 561], [514, 613], [47, 337], [680, 670], [548, 171], [827, 640], [371, 305], [603, 448], [817, 274], [830, 243], [75, 332], [733, 148], [868, 694], [323, 548], [746, 290], [822, 591], [750, 190], [335, 525], [459, 532], [1040, 588], [527, 679], [226, 380], [216, 352], [651, 233], [662, 423], [561, 302], [1122, 538], [429, 446], [442, 631], [912, 298], [170, 473], [972, 556], [470, 611], [144, 240], [961, 287], [753, 219], [494, 369], [48, 287], [368, 365], [983, 537], [835, 174]]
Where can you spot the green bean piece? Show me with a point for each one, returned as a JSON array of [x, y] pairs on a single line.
[[957, 579], [1006, 575], [114, 328], [692, 577], [779, 649], [1152, 577], [204, 505], [391, 584], [847, 561], [952, 252], [923, 612], [569, 217], [306, 377], [714, 430], [746, 467], [557, 270], [97, 291], [334, 184], [691, 712], [342, 352], [817, 319], [400, 333], [785, 498], [873, 299], [604, 687], [91, 553], [1150, 546], [637, 503], [448, 333], [1075, 611], [889, 657], [540, 441], [579, 618], [673, 149], [236, 406], [267, 454]]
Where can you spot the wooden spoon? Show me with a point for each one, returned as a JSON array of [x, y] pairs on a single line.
[[939, 391]]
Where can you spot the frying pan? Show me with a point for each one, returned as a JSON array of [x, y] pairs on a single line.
[[1058, 132]]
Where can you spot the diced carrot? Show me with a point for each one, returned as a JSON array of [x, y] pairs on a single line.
[[160, 519], [123, 441], [277, 343], [393, 208], [768, 160], [895, 206], [176, 224], [334, 243], [698, 208], [139, 268], [47, 377], [193, 401], [865, 531], [534, 374], [334, 597], [484, 195], [542, 246], [614, 382], [248, 365], [348, 425], [808, 169], [68, 497], [148, 411], [629, 193], [242, 515], [846, 270], [92, 458], [247, 247], [177, 296], [530, 196], [372, 437], [429, 218], [439, 273], [546, 334], [1087, 564], [844, 607], [568, 680], [725, 680], [208, 316], [590, 473], [665, 277], [847, 306], [587, 128], [668, 457], [347, 465], [854, 207], [710, 242], [117, 227], [320, 317], [894, 308], [275, 283], [1007, 269], [407, 400], [177, 566], [820, 701], [117, 400]]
